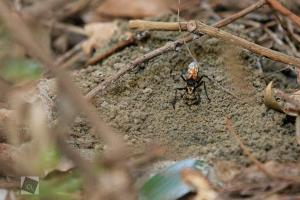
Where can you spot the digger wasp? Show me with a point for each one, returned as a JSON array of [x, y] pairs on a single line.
[[193, 83]]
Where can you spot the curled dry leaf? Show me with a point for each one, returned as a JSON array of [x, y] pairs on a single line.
[[99, 34], [200, 182], [63, 166], [288, 107], [292, 108], [269, 98]]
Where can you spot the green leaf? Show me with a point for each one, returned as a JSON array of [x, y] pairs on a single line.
[[17, 70], [167, 184]]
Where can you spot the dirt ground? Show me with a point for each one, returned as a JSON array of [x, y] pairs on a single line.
[[139, 106]]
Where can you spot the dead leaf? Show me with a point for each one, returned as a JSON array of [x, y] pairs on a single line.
[[6, 114], [292, 102], [63, 166], [9, 160], [269, 98], [134, 8], [99, 34], [203, 187], [226, 170]]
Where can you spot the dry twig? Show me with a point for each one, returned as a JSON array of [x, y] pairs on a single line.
[[283, 10], [259, 165], [120, 45], [244, 148], [199, 28]]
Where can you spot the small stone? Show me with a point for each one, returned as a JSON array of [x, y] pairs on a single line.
[[126, 137], [147, 90], [133, 141], [104, 104], [219, 78], [98, 147], [256, 83]]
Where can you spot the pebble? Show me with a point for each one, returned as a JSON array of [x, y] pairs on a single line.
[[104, 104], [219, 78], [147, 91], [126, 137]]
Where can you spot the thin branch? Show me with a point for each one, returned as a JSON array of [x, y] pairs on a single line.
[[245, 149], [120, 45], [69, 54], [169, 47], [283, 10], [65, 27], [248, 153], [42, 7], [199, 28]]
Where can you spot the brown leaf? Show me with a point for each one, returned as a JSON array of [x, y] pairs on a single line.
[[63, 166], [197, 180], [133, 8], [99, 34], [9, 161]]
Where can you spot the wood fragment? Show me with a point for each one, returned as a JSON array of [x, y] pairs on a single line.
[[157, 26], [227, 37]]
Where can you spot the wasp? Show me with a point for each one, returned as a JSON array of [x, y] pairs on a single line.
[[193, 83]]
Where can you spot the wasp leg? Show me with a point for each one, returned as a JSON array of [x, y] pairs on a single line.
[[204, 76], [175, 98], [200, 82], [204, 85], [183, 78], [198, 98]]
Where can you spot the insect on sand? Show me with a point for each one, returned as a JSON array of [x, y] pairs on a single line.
[[193, 83], [192, 79]]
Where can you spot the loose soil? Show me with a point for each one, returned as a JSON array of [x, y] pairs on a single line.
[[138, 104]]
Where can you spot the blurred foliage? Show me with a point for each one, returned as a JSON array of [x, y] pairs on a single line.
[[20, 69], [63, 187], [14, 67], [49, 158]]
